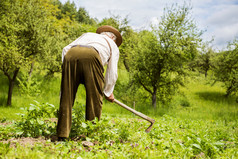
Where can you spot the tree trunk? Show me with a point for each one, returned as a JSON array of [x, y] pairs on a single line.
[[228, 91], [31, 70], [125, 62], [11, 85], [154, 98], [10, 89]]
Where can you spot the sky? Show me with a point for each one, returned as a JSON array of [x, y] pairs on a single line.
[[219, 18]]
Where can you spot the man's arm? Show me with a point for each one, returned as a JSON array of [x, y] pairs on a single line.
[[110, 98], [111, 73]]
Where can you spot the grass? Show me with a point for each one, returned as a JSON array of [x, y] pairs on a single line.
[[199, 123], [50, 93], [199, 100], [204, 101], [125, 138]]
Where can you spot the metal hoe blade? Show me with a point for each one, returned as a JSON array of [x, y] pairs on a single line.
[[152, 121]]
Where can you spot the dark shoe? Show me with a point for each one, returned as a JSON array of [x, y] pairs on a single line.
[[62, 138]]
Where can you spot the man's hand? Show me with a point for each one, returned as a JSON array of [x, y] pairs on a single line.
[[110, 98]]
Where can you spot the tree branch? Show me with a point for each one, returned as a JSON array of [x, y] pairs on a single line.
[[145, 87]]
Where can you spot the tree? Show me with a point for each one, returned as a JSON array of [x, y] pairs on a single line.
[[204, 61], [82, 16], [159, 63], [128, 47], [127, 34], [69, 9], [24, 32], [226, 68], [64, 32]]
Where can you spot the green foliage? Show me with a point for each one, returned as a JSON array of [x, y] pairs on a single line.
[[161, 55], [207, 128], [128, 47], [118, 22], [202, 123], [36, 122], [78, 120], [24, 35], [10, 58], [83, 17], [127, 35], [184, 102], [113, 21], [7, 131], [69, 9], [204, 61], [29, 85], [126, 138], [226, 68], [178, 35], [29, 29], [64, 31]]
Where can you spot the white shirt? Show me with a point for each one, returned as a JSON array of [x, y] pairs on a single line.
[[100, 44]]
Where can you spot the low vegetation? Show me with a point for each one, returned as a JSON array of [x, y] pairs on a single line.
[[168, 73], [200, 123]]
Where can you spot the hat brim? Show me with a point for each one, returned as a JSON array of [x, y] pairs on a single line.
[[107, 28]]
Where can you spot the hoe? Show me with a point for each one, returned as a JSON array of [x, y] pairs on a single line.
[[138, 114]]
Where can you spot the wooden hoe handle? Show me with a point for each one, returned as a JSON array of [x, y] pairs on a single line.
[[138, 114]]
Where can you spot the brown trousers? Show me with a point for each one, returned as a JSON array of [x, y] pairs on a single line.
[[81, 65]]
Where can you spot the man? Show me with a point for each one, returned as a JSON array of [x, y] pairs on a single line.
[[83, 62]]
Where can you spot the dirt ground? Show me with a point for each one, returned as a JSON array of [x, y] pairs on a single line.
[[24, 141]]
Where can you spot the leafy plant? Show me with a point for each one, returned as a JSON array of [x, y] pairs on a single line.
[[184, 102], [125, 138], [7, 131], [37, 120], [29, 85], [78, 120], [226, 68]]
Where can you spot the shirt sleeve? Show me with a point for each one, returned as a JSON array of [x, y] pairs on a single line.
[[111, 72]]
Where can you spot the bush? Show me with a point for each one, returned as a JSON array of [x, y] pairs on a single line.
[[37, 120], [29, 85]]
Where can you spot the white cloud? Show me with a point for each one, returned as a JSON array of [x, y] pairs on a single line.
[[224, 15], [219, 17]]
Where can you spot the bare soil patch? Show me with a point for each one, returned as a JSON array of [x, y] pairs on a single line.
[[24, 141]]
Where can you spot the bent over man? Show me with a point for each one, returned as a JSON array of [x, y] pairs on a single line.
[[83, 63]]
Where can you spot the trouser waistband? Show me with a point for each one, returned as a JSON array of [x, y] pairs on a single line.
[[87, 46]]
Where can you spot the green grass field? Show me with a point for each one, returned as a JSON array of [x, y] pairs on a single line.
[[199, 123], [203, 101]]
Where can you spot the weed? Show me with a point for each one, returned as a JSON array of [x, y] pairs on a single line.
[[199, 124], [29, 85], [36, 120]]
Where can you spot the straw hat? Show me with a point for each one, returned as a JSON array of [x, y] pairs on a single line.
[[107, 28]]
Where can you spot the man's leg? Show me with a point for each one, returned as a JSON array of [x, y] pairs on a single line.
[[81, 65], [69, 85], [94, 83]]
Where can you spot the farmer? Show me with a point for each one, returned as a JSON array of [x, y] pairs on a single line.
[[83, 63]]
